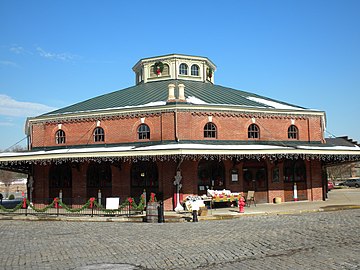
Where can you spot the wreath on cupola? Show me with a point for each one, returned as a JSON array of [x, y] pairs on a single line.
[[158, 68], [209, 72]]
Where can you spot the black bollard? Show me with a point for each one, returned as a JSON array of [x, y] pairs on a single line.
[[161, 218], [195, 216]]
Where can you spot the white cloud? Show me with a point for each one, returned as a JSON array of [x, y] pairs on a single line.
[[8, 63], [12, 107], [17, 49], [6, 124], [55, 56]]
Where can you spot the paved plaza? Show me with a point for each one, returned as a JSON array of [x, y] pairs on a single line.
[[320, 240]]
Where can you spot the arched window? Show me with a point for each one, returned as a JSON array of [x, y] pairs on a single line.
[[293, 132], [165, 71], [99, 135], [144, 132], [183, 70], [194, 70], [60, 137], [253, 132], [210, 130]]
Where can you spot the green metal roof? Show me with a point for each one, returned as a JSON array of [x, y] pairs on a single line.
[[146, 93]]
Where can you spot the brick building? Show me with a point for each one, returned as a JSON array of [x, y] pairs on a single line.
[[176, 120]]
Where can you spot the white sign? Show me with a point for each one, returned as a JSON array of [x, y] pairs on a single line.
[[112, 203]]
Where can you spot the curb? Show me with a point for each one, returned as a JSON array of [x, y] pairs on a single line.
[[178, 219]]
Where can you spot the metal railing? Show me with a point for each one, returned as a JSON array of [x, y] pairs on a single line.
[[71, 207]]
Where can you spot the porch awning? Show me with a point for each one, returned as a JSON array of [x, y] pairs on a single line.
[[174, 151]]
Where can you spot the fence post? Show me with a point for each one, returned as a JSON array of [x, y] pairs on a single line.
[[129, 208], [57, 207], [99, 197]]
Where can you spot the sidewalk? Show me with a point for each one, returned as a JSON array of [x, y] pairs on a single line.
[[338, 199]]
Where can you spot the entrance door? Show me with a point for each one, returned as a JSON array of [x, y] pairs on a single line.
[[211, 175], [256, 179], [60, 179], [144, 176]]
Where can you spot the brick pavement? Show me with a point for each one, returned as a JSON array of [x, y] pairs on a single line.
[[321, 240]]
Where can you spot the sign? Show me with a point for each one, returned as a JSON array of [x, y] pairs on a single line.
[[234, 175], [112, 203]]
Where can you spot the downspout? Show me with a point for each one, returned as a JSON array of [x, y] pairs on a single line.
[[308, 124], [176, 129]]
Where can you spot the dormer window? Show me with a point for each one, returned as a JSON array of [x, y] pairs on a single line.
[[194, 70], [183, 69]]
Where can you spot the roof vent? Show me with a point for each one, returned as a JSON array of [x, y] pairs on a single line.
[[171, 87], [181, 91]]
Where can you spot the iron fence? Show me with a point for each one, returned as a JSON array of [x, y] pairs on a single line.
[[70, 207]]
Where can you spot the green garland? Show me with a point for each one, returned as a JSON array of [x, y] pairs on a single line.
[[209, 72], [43, 209], [158, 66], [76, 210], [124, 205]]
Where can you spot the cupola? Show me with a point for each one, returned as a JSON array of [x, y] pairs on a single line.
[[174, 66]]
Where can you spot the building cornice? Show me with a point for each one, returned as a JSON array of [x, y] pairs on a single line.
[[170, 57], [199, 110]]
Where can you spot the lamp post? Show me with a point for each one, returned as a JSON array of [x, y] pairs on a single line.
[[178, 185]]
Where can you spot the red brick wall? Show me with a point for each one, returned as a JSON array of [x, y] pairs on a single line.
[[41, 182], [316, 180], [189, 127]]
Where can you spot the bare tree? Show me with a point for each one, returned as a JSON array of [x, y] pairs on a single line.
[[7, 178], [340, 172]]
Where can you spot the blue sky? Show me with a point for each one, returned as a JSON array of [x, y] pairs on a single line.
[[56, 53]]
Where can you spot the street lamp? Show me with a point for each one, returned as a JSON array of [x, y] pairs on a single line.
[[178, 185]]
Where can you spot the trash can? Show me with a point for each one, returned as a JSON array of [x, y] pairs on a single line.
[[152, 212]]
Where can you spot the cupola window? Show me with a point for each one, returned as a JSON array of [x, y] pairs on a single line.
[[194, 70], [183, 69]]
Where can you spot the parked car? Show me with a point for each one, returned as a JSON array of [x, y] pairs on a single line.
[[10, 204], [330, 185], [351, 183]]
